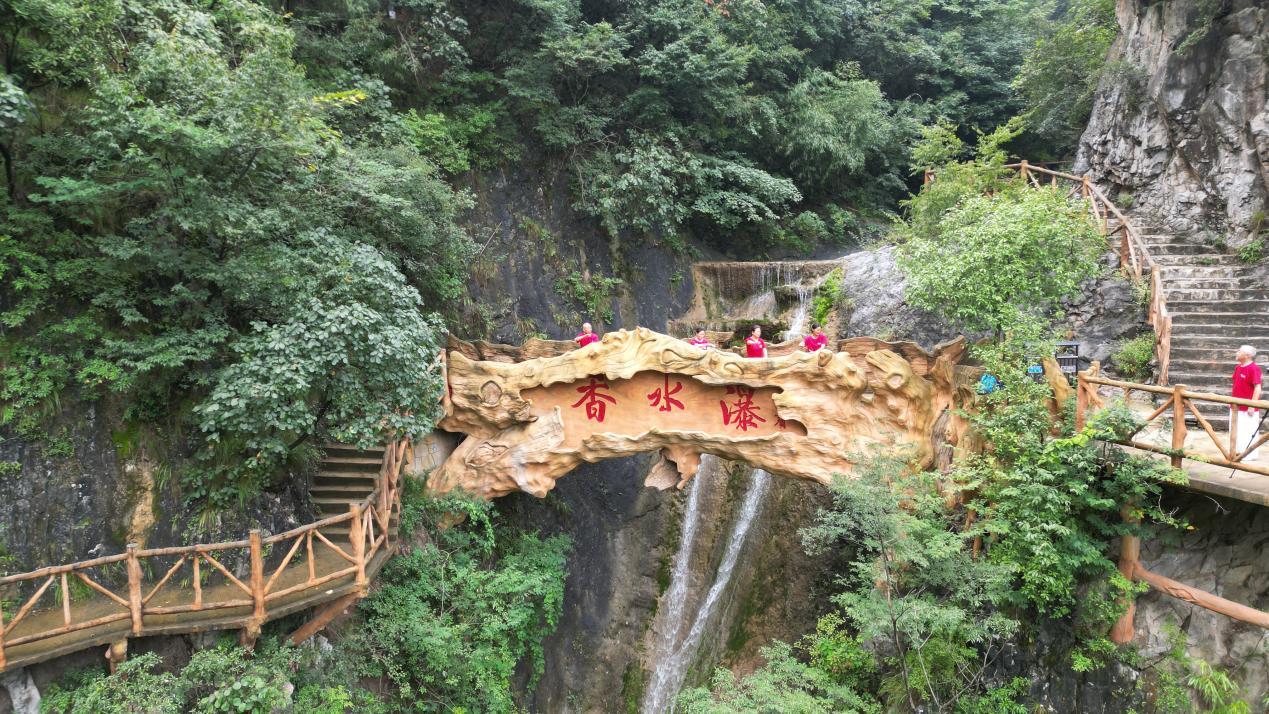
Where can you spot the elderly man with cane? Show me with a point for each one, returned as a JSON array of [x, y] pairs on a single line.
[[1246, 385]]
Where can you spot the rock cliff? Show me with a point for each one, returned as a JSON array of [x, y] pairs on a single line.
[[1181, 117]]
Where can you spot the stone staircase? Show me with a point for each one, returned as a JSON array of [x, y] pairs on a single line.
[[347, 476], [1214, 309]]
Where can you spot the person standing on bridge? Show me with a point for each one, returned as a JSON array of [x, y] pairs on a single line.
[[700, 340], [1247, 379], [815, 341], [586, 336], [755, 346]]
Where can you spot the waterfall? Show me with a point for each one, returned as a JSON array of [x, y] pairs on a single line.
[[797, 324], [673, 656], [676, 594]]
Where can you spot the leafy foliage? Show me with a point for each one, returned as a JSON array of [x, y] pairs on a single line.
[[1062, 70], [1132, 357], [453, 618], [783, 684], [205, 231], [215, 681], [999, 261]]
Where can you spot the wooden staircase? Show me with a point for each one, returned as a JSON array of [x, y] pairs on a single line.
[[346, 477]]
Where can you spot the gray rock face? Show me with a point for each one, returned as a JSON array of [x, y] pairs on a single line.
[[1186, 132], [1105, 312], [1224, 554], [24, 697], [90, 488], [875, 285]]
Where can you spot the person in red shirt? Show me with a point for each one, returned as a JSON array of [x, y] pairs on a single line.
[[700, 340], [816, 340], [1246, 385], [755, 346], [586, 336]]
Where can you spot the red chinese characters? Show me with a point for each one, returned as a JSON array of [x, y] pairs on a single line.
[[594, 398], [663, 397], [742, 413]]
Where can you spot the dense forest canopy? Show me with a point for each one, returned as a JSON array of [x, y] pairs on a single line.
[[235, 218]]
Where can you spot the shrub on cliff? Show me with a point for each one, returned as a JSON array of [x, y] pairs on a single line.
[[199, 229]]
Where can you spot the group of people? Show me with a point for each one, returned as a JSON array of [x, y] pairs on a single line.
[[755, 346]]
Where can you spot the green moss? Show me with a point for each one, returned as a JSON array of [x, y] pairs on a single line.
[[633, 681], [828, 296], [10, 468]]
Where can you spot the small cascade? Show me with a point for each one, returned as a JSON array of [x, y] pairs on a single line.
[[673, 654], [801, 313]]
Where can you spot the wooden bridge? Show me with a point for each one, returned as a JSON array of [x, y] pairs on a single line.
[[192, 589]]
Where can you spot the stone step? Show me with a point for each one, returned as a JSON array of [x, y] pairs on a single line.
[[1223, 354], [1207, 380], [1184, 248], [356, 488], [1219, 336], [333, 449], [1249, 307], [1223, 344], [1175, 295], [1211, 282], [1233, 318], [1207, 272], [352, 463], [1203, 260], [349, 477]]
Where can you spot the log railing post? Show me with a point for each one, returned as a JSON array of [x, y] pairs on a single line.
[[257, 588], [1085, 188], [134, 588], [358, 541], [1178, 424], [1081, 401], [1233, 434], [1022, 169], [3, 662], [1129, 557]]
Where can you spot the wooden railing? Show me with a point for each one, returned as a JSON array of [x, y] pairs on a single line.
[[1134, 256], [1179, 403], [262, 594]]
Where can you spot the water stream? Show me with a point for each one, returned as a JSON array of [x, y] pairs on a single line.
[[674, 651]]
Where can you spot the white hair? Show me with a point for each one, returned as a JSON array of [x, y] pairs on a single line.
[[1247, 350]]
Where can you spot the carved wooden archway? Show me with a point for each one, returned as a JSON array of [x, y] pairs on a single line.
[[533, 415]]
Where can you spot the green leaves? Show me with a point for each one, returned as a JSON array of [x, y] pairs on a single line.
[[1000, 262], [454, 618], [203, 225]]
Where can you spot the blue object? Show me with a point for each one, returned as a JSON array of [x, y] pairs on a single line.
[[988, 384]]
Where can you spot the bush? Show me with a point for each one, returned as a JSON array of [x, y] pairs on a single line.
[[1132, 357]]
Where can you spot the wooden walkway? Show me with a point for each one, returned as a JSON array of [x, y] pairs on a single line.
[[63, 609]]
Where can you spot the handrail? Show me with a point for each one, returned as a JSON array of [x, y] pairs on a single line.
[[369, 533], [1180, 402]]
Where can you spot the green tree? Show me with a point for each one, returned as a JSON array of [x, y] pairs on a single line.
[[1061, 72], [200, 229], [1002, 262]]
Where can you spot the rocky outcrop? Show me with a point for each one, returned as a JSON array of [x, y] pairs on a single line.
[[1181, 117], [1223, 553], [806, 415]]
